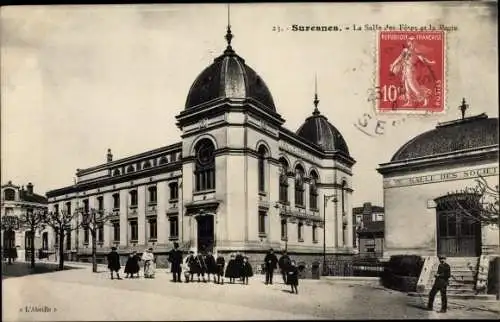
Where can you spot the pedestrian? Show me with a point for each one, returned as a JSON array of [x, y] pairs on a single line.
[[193, 265], [238, 259], [220, 262], [114, 262], [231, 268], [202, 267], [132, 265], [293, 277], [149, 263], [211, 265], [186, 267], [175, 259], [440, 284], [246, 270], [270, 261], [283, 264]]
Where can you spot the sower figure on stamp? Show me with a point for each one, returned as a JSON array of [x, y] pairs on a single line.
[[114, 262], [440, 284], [175, 259], [271, 262]]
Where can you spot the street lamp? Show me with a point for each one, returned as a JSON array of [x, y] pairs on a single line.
[[325, 200]]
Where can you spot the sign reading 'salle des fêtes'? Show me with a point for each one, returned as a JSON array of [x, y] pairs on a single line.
[[439, 177]]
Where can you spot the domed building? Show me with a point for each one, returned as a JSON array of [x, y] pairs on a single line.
[[237, 181], [430, 206]]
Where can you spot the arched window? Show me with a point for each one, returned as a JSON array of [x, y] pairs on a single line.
[[299, 186], [262, 168], [130, 169], [313, 191], [146, 165], [163, 160], [116, 172], [283, 180], [205, 165], [9, 194]]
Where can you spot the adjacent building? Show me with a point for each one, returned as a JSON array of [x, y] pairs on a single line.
[[238, 179], [16, 201], [424, 185], [369, 230]]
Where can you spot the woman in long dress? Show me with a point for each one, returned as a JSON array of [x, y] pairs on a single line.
[[149, 263], [232, 269], [405, 64], [293, 277]]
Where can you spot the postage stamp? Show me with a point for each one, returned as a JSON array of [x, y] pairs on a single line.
[[411, 71]]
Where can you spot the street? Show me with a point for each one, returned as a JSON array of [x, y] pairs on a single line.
[[79, 294]]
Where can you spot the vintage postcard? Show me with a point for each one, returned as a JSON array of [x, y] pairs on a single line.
[[250, 161]]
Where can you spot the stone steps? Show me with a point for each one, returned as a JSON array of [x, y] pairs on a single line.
[[463, 281]]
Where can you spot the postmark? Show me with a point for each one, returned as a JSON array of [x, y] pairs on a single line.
[[410, 72]]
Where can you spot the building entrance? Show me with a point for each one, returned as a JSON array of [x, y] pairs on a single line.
[[458, 229], [205, 233]]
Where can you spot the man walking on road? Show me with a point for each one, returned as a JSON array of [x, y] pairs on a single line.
[[284, 263], [440, 284], [270, 264]]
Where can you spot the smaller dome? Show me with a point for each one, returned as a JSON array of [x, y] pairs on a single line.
[[317, 130], [468, 133]]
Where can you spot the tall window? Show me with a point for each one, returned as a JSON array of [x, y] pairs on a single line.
[[344, 185], [86, 206], [100, 203], [45, 241], [100, 233], [205, 165], [174, 227], [86, 235], [262, 222], [152, 228], [284, 229], [56, 208], [300, 228], [262, 168], [116, 201], [299, 186], [313, 191], [68, 239], [116, 231], [152, 195], [56, 238], [315, 233], [133, 198], [68, 208], [28, 239], [134, 230], [174, 191], [283, 180], [9, 194]]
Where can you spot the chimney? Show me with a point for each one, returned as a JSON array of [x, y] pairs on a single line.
[[109, 156], [29, 187]]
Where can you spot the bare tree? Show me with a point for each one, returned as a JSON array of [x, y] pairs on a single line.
[[33, 219], [61, 222], [93, 220]]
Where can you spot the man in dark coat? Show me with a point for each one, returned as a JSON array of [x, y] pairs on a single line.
[[211, 265], [114, 262], [175, 259], [270, 262], [284, 263], [238, 259], [440, 284]]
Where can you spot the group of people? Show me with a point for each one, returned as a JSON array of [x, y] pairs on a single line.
[[132, 266], [237, 268]]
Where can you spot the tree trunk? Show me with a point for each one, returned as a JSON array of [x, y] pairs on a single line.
[[61, 250], [32, 248], [94, 252]]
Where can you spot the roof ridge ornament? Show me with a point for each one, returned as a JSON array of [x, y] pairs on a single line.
[[463, 107], [316, 100], [229, 36]]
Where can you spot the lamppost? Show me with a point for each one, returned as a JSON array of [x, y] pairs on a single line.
[[325, 200], [286, 207]]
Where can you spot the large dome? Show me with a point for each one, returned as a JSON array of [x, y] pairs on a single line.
[[229, 77], [317, 130], [472, 132]]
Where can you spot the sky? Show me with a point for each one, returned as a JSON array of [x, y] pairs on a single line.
[[77, 80]]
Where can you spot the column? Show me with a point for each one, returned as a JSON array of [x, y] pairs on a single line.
[[108, 227], [141, 215], [291, 190], [123, 217], [306, 195], [162, 196], [350, 232]]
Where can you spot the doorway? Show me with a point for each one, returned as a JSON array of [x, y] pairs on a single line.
[[458, 230], [9, 242], [205, 233]]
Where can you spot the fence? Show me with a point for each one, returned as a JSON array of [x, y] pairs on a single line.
[[368, 267]]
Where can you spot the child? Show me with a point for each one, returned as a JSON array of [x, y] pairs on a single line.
[[220, 262], [231, 269], [246, 270], [293, 277]]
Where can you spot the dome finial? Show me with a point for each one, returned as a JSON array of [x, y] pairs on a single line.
[[316, 100], [463, 107], [229, 36]]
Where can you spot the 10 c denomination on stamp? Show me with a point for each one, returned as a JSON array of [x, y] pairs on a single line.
[[411, 71]]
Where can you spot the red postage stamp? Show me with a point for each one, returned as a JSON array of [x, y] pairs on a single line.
[[411, 71]]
